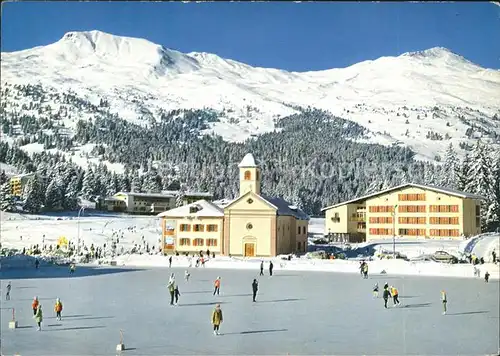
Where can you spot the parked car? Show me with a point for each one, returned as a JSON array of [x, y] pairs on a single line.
[[443, 256]]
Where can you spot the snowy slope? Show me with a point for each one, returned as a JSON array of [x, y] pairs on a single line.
[[399, 99]]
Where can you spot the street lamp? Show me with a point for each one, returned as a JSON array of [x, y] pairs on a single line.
[[82, 209], [394, 232]]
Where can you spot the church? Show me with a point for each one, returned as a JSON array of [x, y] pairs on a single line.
[[251, 225]]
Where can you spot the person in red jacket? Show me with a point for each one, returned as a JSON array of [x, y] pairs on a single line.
[[58, 307], [34, 305], [217, 286]]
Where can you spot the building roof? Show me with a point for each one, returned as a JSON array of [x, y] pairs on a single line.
[[188, 193], [147, 195], [247, 162], [205, 209], [285, 208], [406, 185]]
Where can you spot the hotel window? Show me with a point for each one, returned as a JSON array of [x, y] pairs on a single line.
[[444, 209], [381, 209], [411, 209], [184, 242], [478, 210], [411, 220], [185, 227], [444, 220], [381, 220], [198, 242], [412, 232], [298, 232], [212, 228], [336, 218], [304, 230], [248, 175], [374, 231], [211, 242], [445, 232], [198, 228], [411, 197]]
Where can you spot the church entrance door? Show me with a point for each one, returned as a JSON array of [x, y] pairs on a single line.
[[249, 249]]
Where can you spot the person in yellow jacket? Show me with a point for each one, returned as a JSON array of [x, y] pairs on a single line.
[[217, 319], [58, 307], [395, 295]]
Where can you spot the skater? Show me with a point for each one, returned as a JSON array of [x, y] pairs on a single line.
[[486, 277], [271, 266], [365, 271], [38, 317], [58, 307], [395, 295], [37, 263], [386, 285], [171, 289], [7, 296], [187, 275], [261, 268], [217, 286], [72, 268], [375, 290], [217, 319], [255, 288], [170, 262], [494, 256], [176, 294], [171, 278], [386, 296], [34, 305], [361, 268], [444, 300]]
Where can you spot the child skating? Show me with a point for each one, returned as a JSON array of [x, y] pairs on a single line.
[[217, 286], [187, 275], [217, 319], [58, 307], [444, 300], [38, 317], [171, 289], [486, 276], [375, 290], [386, 296]]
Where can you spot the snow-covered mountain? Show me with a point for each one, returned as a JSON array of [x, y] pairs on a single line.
[[423, 99]]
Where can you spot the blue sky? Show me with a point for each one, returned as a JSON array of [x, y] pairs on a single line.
[[292, 36]]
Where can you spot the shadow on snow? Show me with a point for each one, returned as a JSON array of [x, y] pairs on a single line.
[[62, 272], [255, 332]]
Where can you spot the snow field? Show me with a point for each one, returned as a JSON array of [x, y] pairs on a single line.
[[296, 313]]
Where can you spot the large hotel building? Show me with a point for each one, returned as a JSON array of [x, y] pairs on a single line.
[[408, 210]]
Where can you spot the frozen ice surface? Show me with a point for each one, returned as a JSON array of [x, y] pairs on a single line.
[[296, 313]]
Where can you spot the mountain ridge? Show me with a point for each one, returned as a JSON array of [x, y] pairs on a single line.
[[373, 93]]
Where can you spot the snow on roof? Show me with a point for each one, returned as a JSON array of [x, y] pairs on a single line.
[[247, 161], [188, 193], [147, 195], [222, 203], [284, 207], [204, 209], [448, 191]]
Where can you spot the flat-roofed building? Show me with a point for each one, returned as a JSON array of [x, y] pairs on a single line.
[[408, 210]]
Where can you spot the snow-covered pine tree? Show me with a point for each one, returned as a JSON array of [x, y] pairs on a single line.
[[151, 184], [493, 212], [33, 195], [463, 173], [481, 182], [179, 200], [6, 198], [3, 177], [136, 184], [448, 178], [88, 185], [71, 195], [54, 195]]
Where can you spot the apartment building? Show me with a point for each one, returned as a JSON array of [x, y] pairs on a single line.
[[408, 210], [148, 203], [18, 182]]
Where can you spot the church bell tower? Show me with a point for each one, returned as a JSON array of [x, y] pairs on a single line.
[[249, 175]]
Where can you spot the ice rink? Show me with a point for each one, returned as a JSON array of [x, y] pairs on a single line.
[[296, 313]]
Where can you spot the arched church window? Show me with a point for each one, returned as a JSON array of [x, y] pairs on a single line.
[[248, 175]]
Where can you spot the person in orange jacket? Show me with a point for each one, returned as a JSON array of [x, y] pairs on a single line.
[[58, 307], [34, 305], [217, 286]]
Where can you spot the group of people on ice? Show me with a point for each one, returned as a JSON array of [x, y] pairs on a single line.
[[38, 314], [389, 292]]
